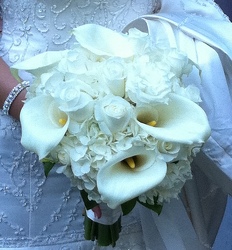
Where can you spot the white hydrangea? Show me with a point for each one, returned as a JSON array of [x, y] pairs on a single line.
[[110, 99]]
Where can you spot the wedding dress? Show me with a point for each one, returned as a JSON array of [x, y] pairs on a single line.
[[196, 28], [41, 213]]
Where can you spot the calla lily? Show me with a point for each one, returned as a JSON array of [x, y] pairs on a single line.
[[40, 63], [181, 121], [118, 183], [43, 125], [103, 41]]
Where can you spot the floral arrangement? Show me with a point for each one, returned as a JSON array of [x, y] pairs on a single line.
[[119, 115]]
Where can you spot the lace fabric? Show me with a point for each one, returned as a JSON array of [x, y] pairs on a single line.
[[48, 212], [34, 26], [39, 212], [198, 7]]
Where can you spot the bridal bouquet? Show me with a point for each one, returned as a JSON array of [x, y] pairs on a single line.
[[120, 116]]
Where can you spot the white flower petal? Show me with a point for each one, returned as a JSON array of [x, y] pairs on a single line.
[[40, 63], [168, 150], [181, 120], [80, 167], [41, 130], [82, 114], [112, 113], [103, 41], [118, 183]]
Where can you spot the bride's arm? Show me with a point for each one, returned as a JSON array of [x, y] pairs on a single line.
[[7, 83]]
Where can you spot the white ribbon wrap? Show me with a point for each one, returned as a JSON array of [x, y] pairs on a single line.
[[109, 216]]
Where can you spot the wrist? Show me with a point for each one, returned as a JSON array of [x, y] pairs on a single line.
[[14, 99]]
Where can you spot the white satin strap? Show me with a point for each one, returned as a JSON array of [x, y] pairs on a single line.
[[215, 89], [204, 29]]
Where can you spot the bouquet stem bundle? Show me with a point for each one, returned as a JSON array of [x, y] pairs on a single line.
[[105, 235]]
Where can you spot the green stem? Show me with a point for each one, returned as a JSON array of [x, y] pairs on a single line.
[[104, 234]]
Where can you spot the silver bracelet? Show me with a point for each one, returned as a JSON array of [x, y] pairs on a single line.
[[12, 95]]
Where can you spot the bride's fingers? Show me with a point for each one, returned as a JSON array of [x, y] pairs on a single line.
[[97, 211]]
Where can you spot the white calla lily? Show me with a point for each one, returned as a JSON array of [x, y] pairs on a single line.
[[40, 63], [103, 41], [181, 121], [118, 183], [43, 125]]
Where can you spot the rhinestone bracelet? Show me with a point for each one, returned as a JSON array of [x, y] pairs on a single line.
[[12, 95]]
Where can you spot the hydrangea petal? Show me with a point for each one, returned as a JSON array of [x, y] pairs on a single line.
[[181, 120], [103, 41], [41, 130], [118, 183]]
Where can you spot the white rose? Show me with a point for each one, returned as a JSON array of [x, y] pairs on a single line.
[[168, 150], [77, 62], [114, 76], [112, 114], [178, 62], [70, 96], [61, 153], [146, 84]]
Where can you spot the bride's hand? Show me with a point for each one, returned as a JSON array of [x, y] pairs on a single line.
[[97, 212]]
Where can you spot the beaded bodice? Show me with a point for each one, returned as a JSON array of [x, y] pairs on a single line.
[[33, 26]]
